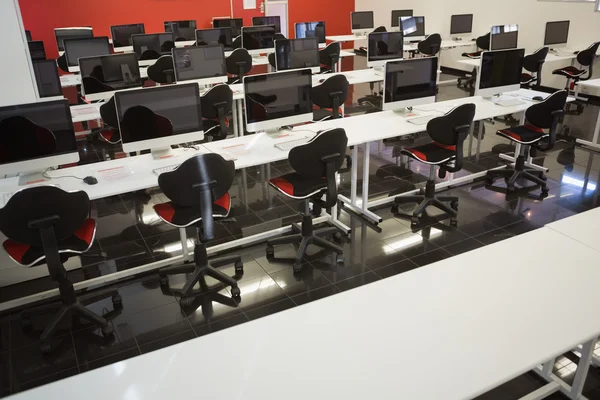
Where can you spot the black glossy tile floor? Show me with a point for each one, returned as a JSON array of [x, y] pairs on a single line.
[[130, 234]]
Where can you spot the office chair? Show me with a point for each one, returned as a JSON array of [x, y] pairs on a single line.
[[279, 36], [198, 194], [216, 104], [483, 43], [380, 29], [93, 85], [533, 65], [431, 45], [315, 164], [237, 42], [50, 231], [149, 55], [238, 64], [329, 96], [271, 59], [448, 133], [62, 63], [108, 113], [329, 57], [532, 137], [162, 71], [585, 58]]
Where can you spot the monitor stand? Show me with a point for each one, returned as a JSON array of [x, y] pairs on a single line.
[[162, 153]]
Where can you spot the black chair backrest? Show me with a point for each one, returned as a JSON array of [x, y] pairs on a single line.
[[271, 58], [533, 62], [451, 130], [62, 63], [150, 55], [198, 183], [237, 42], [547, 114], [163, 70], [217, 103], [380, 29], [21, 139], [331, 94], [321, 157], [279, 36], [93, 85], [431, 45], [483, 42], [141, 123], [108, 113], [26, 213], [239, 63], [586, 59], [330, 55], [167, 46]]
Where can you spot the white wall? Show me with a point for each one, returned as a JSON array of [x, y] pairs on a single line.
[[16, 75]]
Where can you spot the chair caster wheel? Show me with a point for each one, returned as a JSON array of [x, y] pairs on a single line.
[[45, 347], [489, 180], [107, 330], [117, 301], [395, 209], [337, 236], [239, 267], [511, 189], [454, 205], [545, 190], [414, 221], [339, 259], [236, 292], [26, 323], [164, 280], [186, 301], [270, 252], [453, 223]]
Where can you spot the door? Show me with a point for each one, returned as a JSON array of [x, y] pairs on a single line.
[[279, 8]]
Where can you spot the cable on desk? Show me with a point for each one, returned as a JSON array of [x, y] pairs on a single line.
[[45, 175]]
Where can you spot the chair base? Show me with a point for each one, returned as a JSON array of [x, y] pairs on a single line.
[[305, 236], [448, 204], [198, 272], [511, 176]]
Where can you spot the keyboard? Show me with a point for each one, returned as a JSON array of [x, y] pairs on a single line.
[[421, 120], [287, 146], [509, 102], [163, 170]]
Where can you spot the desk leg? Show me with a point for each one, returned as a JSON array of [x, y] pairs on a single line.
[[471, 140], [479, 132], [240, 107], [234, 119]]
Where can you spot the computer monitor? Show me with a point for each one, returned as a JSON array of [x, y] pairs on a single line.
[[36, 50], [60, 34], [100, 76], [274, 20], [384, 46], [413, 27], [222, 36], [361, 22], [47, 79], [182, 30], [156, 118], [461, 23], [36, 136], [205, 64], [310, 29], [557, 32], [277, 99], [152, 41], [297, 54], [258, 39], [28, 35], [504, 37], [121, 34], [500, 72], [396, 14], [409, 83], [90, 47], [234, 23]]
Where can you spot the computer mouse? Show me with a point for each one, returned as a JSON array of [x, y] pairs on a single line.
[[537, 98], [90, 180]]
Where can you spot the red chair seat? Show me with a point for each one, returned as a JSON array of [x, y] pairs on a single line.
[[432, 153], [182, 217], [475, 55], [569, 72], [527, 78], [524, 134], [298, 187]]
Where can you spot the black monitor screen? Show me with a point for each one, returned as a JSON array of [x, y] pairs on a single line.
[[182, 30], [362, 20], [311, 29], [557, 32], [501, 68], [71, 33], [79, 48], [385, 46], [28, 35], [278, 95], [412, 26], [461, 24], [108, 73], [30, 131], [177, 108], [297, 53], [504, 37], [258, 21], [121, 34], [36, 50], [410, 79], [258, 37], [396, 14], [199, 62], [155, 42], [234, 23], [47, 79], [222, 36]]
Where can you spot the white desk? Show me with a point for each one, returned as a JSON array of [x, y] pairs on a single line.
[[86, 112], [478, 322], [591, 84], [582, 227], [549, 58], [345, 38]]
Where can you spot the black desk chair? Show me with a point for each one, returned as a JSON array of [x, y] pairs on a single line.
[[51, 230], [62, 63], [238, 64], [533, 64], [532, 136], [162, 71], [329, 57], [237, 42], [216, 104], [149, 55], [108, 113], [315, 164], [93, 85], [329, 96], [279, 36], [271, 59], [431, 45], [198, 194], [483, 43], [380, 29], [448, 133]]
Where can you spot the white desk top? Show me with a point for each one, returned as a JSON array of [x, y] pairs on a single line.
[[582, 227], [382, 340], [592, 83], [549, 58], [345, 38]]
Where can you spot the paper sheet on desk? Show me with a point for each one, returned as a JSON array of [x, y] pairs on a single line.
[[79, 111], [115, 174], [234, 152]]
